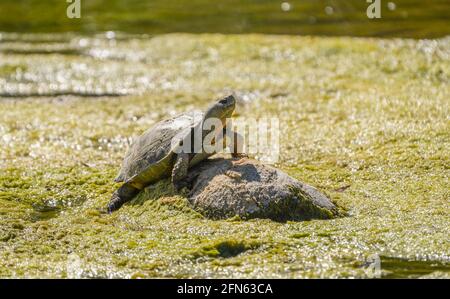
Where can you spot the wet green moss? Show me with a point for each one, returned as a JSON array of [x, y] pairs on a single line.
[[298, 207], [225, 249]]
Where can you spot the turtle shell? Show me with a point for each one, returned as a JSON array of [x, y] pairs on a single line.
[[151, 155]]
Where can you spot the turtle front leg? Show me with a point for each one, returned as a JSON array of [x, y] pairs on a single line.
[[180, 170], [237, 146], [122, 195]]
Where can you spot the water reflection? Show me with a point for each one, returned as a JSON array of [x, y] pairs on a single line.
[[403, 18]]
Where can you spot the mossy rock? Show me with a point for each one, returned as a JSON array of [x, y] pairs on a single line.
[[224, 188]]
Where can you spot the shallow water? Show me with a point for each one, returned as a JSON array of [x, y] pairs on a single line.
[[399, 18], [401, 268], [364, 120]]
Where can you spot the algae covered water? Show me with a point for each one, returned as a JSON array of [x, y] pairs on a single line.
[[365, 120]]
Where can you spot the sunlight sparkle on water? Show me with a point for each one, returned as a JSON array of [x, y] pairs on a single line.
[[285, 6], [391, 6]]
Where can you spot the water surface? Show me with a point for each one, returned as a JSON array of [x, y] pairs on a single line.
[[399, 18]]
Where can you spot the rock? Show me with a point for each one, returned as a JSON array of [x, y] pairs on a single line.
[[223, 188]]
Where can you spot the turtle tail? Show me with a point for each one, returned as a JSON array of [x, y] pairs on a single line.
[[120, 196]]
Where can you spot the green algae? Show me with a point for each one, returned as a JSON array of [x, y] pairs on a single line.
[[363, 120], [225, 249]]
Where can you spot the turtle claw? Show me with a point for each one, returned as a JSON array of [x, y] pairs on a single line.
[[121, 196], [104, 210], [239, 155], [179, 185], [114, 204]]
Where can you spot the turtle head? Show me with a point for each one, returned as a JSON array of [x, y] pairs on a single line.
[[222, 109]]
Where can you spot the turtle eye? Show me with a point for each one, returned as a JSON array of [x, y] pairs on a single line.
[[223, 101]]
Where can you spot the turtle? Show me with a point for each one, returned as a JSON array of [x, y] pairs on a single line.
[[167, 150]]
